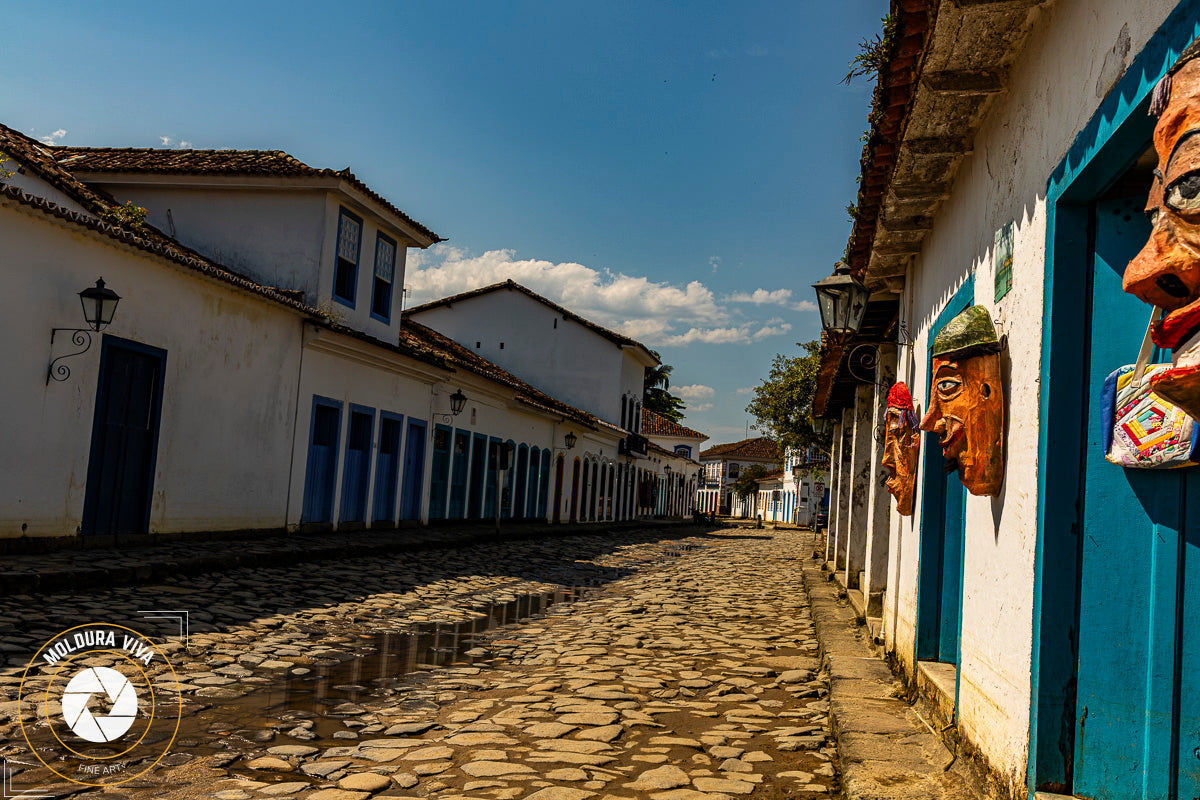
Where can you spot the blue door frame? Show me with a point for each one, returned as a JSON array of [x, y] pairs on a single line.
[[124, 447], [320, 471], [1076, 651], [939, 598], [413, 479]]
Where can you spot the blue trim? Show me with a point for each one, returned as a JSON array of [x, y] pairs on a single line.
[[1119, 126], [107, 343], [383, 237], [399, 456], [347, 301]]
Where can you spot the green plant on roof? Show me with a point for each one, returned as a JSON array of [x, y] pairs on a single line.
[[5, 174], [873, 54], [126, 216]]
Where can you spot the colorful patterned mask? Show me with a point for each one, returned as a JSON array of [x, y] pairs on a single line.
[[1166, 273], [901, 448], [966, 409]]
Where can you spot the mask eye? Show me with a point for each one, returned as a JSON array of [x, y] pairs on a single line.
[[1184, 193], [948, 386]]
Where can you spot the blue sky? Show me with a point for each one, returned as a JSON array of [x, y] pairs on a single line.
[[677, 171]]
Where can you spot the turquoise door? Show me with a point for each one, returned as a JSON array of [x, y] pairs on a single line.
[[458, 475], [522, 472], [320, 473], [439, 476], [1137, 708], [478, 473], [943, 530]]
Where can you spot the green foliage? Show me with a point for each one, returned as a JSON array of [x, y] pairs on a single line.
[[747, 482], [853, 211], [873, 54], [5, 174], [126, 216], [782, 403], [655, 395]]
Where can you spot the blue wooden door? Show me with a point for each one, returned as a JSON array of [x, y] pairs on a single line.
[[458, 474], [939, 600], [544, 485], [120, 478], [414, 471], [439, 477], [357, 469], [320, 474], [387, 467], [522, 473], [1137, 708], [478, 474], [489, 489]]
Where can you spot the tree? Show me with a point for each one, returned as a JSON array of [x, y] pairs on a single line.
[[782, 404], [655, 395], [747, 483]]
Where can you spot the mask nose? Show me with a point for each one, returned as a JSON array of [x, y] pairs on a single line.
[[1156, 274]]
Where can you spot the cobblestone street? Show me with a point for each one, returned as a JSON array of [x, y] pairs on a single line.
[[675, 664]]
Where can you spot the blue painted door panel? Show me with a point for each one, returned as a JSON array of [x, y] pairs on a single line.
[[414, 471], [522, 472], [439, 477], [321, 470], [120, 476], [478, 471], [387, 468], [489, 490], [458, 474], [357, 470], [1138, 699]]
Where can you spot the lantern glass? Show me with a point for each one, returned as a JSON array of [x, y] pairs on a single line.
[[570, 439], [99, 305], [842, 301], [457, 401]]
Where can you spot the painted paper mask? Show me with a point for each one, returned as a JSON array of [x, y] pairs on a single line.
[[1166, 273], [901, 448], [966, 407]]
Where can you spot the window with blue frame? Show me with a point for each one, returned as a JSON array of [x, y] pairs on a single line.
[[385, 270], [349, 246]]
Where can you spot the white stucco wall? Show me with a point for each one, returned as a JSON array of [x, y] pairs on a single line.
[[1071, 62], [559, 356], [224, 445], [33, 184]]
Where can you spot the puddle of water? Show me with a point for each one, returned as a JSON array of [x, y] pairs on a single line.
[[384, 665]]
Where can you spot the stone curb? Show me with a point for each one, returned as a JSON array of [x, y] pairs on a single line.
[[884, 749], [42, 573]]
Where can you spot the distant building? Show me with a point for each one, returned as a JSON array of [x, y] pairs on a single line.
[[722, 464]]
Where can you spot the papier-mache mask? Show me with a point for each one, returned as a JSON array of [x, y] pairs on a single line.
[[1166, 273], [966, 406], [901, 448]]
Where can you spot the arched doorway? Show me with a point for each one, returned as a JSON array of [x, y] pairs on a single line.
[[558, 480], [575, 491]]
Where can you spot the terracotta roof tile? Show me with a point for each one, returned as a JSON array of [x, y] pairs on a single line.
[[655, 424], [760, 448], [161, 161], [614, 337]]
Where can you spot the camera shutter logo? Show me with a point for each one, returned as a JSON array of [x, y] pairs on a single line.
[[112, 685]]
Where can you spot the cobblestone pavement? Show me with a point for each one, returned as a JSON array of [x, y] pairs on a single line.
[[640, 664]]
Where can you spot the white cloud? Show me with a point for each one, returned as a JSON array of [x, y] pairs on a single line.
[[699, 406], [185, 145], [774, 297], [695, 391], [715, 263], [804, 305], [54, 138], [771, 330], [169, 142], [745, 390], [654, 312]]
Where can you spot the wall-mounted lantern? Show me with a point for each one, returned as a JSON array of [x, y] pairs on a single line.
[[99, 305], [822, 425], [570, 439], [842, 301], [458, 401]]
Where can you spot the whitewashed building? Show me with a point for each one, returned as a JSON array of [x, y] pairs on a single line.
[[722, 464], [796, 493], [257, 373], [1053, 627]]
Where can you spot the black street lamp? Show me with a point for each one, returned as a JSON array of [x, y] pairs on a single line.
[[457, 401], [570, 440], [99, 305], [842, 301]]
